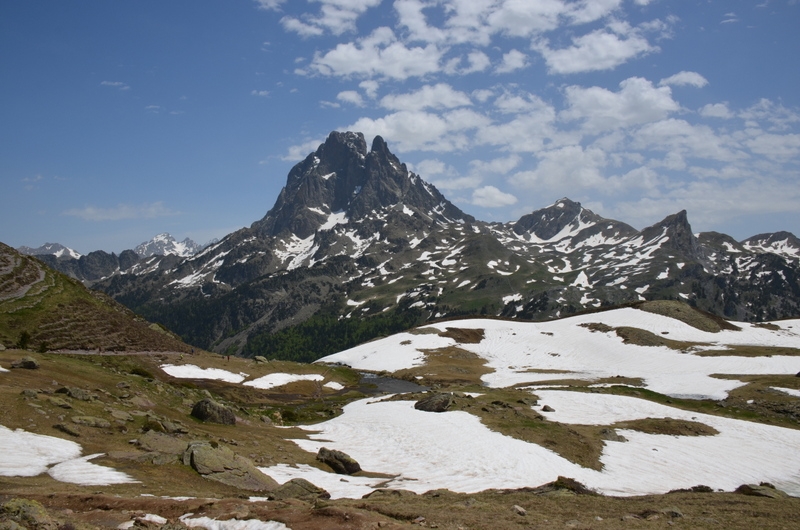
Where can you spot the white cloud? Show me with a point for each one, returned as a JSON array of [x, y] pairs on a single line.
[[352, 97], [439, 96], [637, 102], [598, 50], [688, 140], [491, 197], [513, 60], [370, 88], [424, 131], [775, 146], [522, 18], [478, 62], [116, 84], [378, 55], [121, 212], [500, 165], [335, 16], [570, 167], [716, 110], [300, 151], [260, 93], [586, 11], [269, 4], [684, 78]]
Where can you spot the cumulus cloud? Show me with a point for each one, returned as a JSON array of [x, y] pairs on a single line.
[[424, 131], [716, 110], [352, 97], [513, 60], [684, 78], [273, 5], [260, 93], [637, 102], [491, 197], [599, 50], [377, 55], [335, 16], [439, 96], [569, 167], [121, 212]]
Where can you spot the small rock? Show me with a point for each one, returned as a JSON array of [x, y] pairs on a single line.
[[572, 524], [260, 359], [340, 462], [28, 363], [58, 402], [30, 393], [68, 429], [611, 435], [519, 510], [548, 408], [672, 512]]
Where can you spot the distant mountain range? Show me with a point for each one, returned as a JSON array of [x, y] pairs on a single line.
[[357, 246], [100, 264]]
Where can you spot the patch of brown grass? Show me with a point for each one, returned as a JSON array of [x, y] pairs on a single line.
[[464, 335], [740, 350], [667, 426], [687, 314], [447, 366]]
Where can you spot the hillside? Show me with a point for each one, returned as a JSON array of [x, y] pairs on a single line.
[[654, 415], [43, 310]]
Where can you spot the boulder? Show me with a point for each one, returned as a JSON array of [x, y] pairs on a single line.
[[438, 402], [77, 393], [211, 411], [28, 363], [340, 462], [298, 488], [219, 463], [260, 359], [761, 490], [91, 421], [161, 443], [28, 513]]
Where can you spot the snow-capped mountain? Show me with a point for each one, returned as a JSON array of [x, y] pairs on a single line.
[[164, 244], [354, 234], [55, 249]]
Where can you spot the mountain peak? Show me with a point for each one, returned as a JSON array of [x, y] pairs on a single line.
[[164, 244], [342, 178]]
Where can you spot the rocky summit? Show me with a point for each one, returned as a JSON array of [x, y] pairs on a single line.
[[358, 246]]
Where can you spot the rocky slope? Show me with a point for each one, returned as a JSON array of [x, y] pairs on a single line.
[[354, 234], [43, 309]]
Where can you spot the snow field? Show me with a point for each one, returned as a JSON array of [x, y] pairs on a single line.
[[454, 450], [27, 454], [511, 349]]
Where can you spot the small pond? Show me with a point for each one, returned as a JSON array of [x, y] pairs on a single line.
[[377, 384]]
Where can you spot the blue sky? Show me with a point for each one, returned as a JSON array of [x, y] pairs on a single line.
[[120, 120]]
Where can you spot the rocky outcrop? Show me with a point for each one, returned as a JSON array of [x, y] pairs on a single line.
[[298, 488], [221, 464], [340, 462], [209, 410], [28, 363], [435, 403]]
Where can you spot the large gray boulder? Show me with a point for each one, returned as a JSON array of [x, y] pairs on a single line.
[[438, 402], [211, 411], [28, 363], [219, 463], [340, 462]]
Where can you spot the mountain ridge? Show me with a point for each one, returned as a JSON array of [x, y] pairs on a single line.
[[355, 236]]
